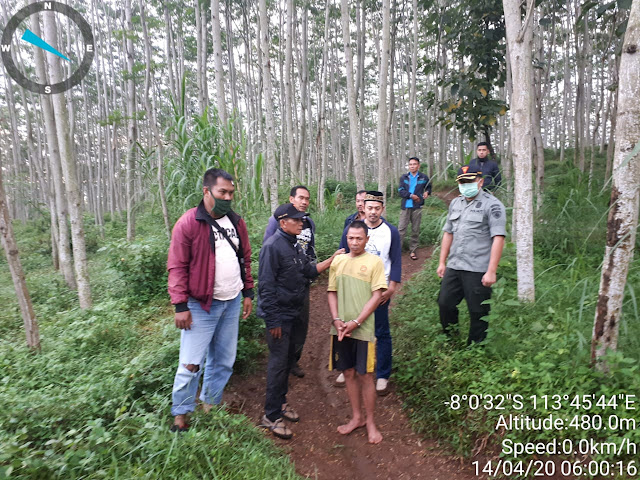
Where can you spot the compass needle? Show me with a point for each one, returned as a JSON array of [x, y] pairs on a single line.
[[33, 39]]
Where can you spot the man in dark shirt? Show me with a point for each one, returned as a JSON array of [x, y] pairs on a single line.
[[300, 197], [282, 288], [489, 168]]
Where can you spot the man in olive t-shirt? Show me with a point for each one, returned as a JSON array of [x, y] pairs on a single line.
[[356, 283]]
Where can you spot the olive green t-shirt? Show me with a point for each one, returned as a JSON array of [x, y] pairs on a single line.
[[354, 279]]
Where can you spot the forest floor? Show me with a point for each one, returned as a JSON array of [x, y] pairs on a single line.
[[317, 449]]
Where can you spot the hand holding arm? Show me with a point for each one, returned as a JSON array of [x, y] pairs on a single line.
[[322, 266]]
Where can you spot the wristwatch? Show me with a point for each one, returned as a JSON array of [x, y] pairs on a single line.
[[337, 318]]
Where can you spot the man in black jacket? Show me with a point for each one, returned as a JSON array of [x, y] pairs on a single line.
[[414, 188], [489, 168], [282, 285]]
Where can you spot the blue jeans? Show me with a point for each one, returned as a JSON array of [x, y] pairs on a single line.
[[383, 342], [213, 335]]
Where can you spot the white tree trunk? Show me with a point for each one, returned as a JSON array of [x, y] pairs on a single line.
[[519, 37], [69, 170], [623, 215], [268, 97], [217, 60], [383, 79], [132, 132], [354, 124]]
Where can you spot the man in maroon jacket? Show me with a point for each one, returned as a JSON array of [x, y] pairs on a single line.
[[210, 281]]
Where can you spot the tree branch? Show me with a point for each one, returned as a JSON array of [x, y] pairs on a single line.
[[527, 20]]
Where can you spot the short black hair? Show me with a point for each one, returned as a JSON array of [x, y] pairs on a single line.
[[211, 176], [360, 191], [483, 144], [359, 224], [415, 158], [294, 190]]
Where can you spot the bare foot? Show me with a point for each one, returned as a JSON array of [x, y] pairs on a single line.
[[180, 421], [347, 428], [206, 407], [374, 434]]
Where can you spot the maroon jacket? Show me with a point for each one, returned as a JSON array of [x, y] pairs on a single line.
[[191, 263]]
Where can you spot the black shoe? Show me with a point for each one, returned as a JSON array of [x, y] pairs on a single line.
[[297, 371]]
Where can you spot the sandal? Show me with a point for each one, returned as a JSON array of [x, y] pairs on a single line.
[[413, 256], [289, 413], [278, 428]]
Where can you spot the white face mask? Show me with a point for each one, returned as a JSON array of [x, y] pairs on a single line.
[[469, 190]]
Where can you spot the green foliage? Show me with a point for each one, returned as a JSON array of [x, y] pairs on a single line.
[[476, 32], [200, 143], [94, 404], [536, 349], [142, 266]]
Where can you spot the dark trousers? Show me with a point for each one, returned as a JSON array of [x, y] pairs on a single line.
[[301, 334], [282, 356], [383, 342], [459, 284]]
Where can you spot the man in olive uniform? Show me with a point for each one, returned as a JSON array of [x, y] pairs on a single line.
[[473, 241]]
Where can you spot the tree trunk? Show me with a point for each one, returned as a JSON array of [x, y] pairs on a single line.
[[623, 215], [383, 144], [217, 61], [268, 97], [132, 133], [17, 274], [519, 36], [69, 171], [354, 124]]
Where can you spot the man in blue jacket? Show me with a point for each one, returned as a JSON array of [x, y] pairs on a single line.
[[300, 197], [414, 188], [384, 241], [282, 286], [489, 168]]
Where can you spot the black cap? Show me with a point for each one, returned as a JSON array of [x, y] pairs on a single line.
[[374, 196], [468, 172], [287, 210]]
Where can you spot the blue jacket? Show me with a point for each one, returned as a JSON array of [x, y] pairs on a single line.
[[282, 279], [395, 252], [424, 184], [490, 172]]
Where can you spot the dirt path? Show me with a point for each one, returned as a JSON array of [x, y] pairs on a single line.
[[317, 449]]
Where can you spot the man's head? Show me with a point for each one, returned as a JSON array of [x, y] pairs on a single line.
[[360, 200], [414, 165], [357, 237], [289, 218], [373, 206], [470, 180], [218, 189], [299, 197], [482, 150]]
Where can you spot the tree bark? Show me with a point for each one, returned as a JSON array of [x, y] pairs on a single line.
[[519, 37], [622, 222], [383, 144], [69, 171], [354, 124], [268, 97], [17, 274], [217, 61]]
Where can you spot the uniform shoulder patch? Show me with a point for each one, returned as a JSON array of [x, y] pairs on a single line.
[[479, 204], [496, 211]]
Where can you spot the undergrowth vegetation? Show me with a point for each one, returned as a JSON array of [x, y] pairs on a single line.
[[532, 349]]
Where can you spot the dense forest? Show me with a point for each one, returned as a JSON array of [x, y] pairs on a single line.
[[336, 96]]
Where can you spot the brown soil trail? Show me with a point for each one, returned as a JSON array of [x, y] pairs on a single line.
[[317, 449]]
